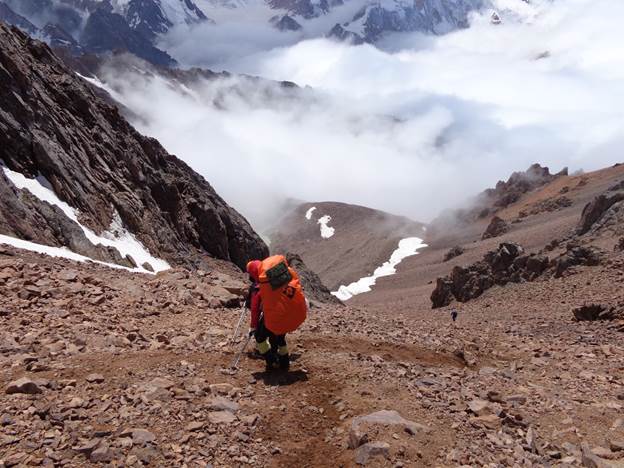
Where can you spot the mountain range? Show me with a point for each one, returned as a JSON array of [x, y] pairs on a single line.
[[136, 26]]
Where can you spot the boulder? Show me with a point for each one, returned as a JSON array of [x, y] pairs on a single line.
[[497, 227], [576, 255], [442, 295], [595, 209], [385, 418], [23, 385], [453, 252]]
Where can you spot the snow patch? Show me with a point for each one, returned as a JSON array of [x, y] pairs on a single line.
[[326, 231], [407, 247], [116, 236], [308, 214], [61, 252]]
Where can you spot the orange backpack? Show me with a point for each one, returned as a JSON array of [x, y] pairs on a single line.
[[283, 302]]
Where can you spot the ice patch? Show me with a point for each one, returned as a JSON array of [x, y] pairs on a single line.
[[116, 236], [326, 231], [61, 252], [308, 214], [407, 247]]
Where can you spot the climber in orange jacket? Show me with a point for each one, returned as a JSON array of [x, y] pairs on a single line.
[[277, 306]]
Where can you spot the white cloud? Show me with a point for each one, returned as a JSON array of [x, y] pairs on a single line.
[[411, 128]]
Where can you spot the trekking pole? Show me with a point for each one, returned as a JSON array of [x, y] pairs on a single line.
[[240, 353], [240, 322]]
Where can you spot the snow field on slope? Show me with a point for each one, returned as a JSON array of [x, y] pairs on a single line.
[[326, 230], [308, 214], [116, 236], [407, 247], [61, 252]]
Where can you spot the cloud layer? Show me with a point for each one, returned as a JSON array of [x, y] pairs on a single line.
[[413, 127]]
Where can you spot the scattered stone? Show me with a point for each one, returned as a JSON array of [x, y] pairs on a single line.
[[95, 378], [139, 436], [102, 454], [489, 421], [371, 449], [221, 417], [221, 388], [23, 385], [356, 437], [591, 460], [616, 445], [87, 447], [521, 399], [480, 407], [195, 426], [223, 404], [389, 418]]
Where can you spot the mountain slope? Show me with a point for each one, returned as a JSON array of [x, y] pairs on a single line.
[[99, 26], [54, 126], [351, 244]]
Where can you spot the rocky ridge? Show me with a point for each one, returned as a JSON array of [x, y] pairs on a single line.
[[99, 165]]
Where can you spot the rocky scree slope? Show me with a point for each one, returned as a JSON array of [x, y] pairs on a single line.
[[100, 366], [54, 125], [362, 240]]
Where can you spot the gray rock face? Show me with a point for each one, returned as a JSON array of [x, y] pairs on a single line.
[[507, 264], [313, 287], [601, 212], [53, 124]]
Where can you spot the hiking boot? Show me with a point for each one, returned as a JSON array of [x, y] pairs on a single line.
[[271, 360], [284, 362]]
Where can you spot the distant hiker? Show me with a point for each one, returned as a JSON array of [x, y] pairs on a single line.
[[277, 306], [454, 314]]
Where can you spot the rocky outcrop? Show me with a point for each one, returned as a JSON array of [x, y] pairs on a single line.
[[285, 23], [453, 252], [497, 227], [54, 125], [506, 264], [598, 209], [593, 312], [547, 206], [576, 255], [492, 200], [313, 287], [595, 209], [506, 193]]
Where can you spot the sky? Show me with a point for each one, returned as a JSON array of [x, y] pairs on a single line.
[[413, 126]]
